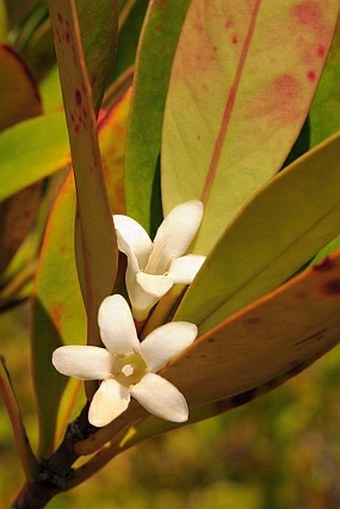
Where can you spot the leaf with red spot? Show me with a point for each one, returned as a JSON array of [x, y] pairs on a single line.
[[95, 239], [241, 85], [58, 314], [247, 355], [19, 101]]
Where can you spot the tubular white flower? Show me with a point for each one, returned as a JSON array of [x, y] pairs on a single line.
[[127, 367], [153, 267]]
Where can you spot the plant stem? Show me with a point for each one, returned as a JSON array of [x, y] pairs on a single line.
[[55, 473]]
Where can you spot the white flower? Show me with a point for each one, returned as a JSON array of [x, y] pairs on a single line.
[[126, 366], [153, 267]]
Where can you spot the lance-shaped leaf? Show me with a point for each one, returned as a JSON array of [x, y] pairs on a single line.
[[19, 101], [31, 151], [130, 24], [155, 52], [252, 352], [297, 322], [57, 309], [279, 230], [98, 23], [97, 251], [242, 81], [324, 116]]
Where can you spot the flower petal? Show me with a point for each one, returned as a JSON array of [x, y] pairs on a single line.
[[165, 342], [184, 269], [117, 328], [154, 285], [84, 362], [161, 398], [109, 401], [175, 235], [145, 292], [132, 237]]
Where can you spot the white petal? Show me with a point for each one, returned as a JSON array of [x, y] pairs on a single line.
[[175, 235], [184, 269], [165, 342], [161, 398], [84, 362], [132, 237], [154, 285], [110, 400], [117, 328], [145, 292]]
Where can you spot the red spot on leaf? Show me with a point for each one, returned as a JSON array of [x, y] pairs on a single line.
[[234, 39], [332, 287], [78, 97], [60, 18], [77, 128], [309, 13], [228, 24], [311, 75], [280, 100], [321, 51]]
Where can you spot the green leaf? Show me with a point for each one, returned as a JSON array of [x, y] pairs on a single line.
[[57, 309], [279, 230], [130, 21], [98, 22], [241, 85], [95, 239], [157, 45], [324, 115], [32, 150], [50, 91]]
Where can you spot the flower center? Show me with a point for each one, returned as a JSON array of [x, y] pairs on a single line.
[[129, 369]]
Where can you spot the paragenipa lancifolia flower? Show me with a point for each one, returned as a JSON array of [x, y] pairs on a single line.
[[154, 267], [126, 366]]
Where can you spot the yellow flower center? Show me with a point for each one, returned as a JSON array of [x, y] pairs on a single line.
[[129, 369]]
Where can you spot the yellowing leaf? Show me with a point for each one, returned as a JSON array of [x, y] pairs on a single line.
[[241, 85]]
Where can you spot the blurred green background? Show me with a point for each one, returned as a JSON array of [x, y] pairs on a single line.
[[281, 451]]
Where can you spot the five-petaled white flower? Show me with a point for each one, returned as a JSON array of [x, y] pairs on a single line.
[[153, 267], [126, 366]]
